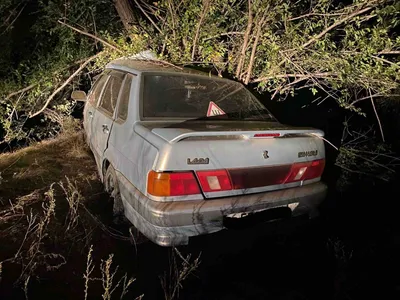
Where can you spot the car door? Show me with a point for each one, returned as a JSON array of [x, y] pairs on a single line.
[[91, 103], [121, 138], [104, 115]]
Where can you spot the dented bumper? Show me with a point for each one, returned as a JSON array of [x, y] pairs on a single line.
[[172, 223]]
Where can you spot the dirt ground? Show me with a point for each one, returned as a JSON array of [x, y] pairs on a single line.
[[53, 210]]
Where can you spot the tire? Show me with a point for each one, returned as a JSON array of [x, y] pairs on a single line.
[[112, 187]]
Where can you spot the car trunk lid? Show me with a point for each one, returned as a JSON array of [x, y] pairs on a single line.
[[233, 158]]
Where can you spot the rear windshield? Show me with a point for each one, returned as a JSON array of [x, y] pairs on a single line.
[[197, 97]]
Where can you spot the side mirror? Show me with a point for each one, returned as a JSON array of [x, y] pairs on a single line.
[[78, 95]]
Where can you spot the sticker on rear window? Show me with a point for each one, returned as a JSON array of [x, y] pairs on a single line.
[[214, 110]]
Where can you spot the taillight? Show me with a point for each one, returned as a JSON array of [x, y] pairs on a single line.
[[306, 170], [315, 169], [185, 183], [172, 184], [214, 181]]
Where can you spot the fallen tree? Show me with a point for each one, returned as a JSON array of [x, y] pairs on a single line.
[[345, 52]]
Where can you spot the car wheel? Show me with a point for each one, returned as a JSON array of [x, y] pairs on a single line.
[[111, 186]]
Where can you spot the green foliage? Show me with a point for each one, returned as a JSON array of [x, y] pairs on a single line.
[[335, 48], [348, 51], [52, 54]]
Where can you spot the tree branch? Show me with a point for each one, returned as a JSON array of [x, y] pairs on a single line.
[[386, 61], [92, 36], [29, 87], [148, 17], [254, 48], [245, 42], [206, 4], [15, 19], [25, 89], [389, 52], [376, 114], [336, 24], [315, 14], [223, 34], [153, 10], [281, 90], [317, 75], [324, 139], [326, 30], [65, 84], [172, 12], [364, 98]]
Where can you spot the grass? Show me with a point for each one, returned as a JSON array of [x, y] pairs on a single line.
[[54, 226], [45, 223], [37, 166], [107, 278], [172, 283]]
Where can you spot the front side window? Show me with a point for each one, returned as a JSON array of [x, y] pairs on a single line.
[[110, 96], [95, 93], [192, 97]]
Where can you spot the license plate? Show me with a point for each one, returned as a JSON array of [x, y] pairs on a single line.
[[240, 215]]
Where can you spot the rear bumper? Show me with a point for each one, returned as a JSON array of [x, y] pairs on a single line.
[[172, 223]]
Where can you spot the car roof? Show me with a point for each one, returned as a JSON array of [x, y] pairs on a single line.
[[150, 66]]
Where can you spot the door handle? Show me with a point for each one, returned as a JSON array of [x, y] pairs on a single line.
[[105, 128], [90, 114]]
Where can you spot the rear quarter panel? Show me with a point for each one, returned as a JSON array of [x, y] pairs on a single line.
[[133, 158]]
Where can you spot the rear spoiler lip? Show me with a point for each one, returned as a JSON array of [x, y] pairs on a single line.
[[172, 138]]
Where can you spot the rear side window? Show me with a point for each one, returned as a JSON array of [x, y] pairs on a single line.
[[124, 100], [96, 90], [109, 100]]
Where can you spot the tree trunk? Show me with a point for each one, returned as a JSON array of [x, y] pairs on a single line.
[[126, 13]]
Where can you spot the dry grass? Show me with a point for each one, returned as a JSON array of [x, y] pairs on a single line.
[[29, 228], [178, 273], [15, 210], [25, 288], [44, 220], [74, 198], [107, 278], [29, 237], [342, 254], [38, 166], [78, 148], [41, 229], [31, 253], [89, 271]]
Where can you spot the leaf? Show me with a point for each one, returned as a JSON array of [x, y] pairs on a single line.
[[314, 91]]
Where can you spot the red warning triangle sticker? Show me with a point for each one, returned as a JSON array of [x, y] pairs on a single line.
[[214, 110]]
